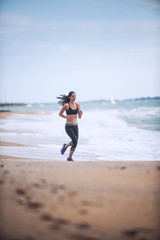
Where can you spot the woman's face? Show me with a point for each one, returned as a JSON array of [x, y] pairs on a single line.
[[73, 97]]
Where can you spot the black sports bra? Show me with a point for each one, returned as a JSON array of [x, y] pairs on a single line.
[[71, 111]]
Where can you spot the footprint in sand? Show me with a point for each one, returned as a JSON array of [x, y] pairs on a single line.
[[57, 223], [83, 211], [36, 185], [134, 232], [46, 217], [130, 233], [1, 181], [61, 221], [123, 167], [82, 225], [21, 199], [34, 205], [20, 191], [43, 181], [83, 237]]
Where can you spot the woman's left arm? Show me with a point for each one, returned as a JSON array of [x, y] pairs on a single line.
[[80, 112]]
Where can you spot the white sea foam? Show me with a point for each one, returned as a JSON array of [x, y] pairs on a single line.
[[115, 140], [103, 135]]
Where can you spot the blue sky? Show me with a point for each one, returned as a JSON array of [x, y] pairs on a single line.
[[98, 48]]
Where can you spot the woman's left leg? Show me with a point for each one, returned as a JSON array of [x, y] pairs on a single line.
[[74, 140]]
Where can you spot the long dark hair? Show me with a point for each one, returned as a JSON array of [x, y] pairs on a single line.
[[65, 98]]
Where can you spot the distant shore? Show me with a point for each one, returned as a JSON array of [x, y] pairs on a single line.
[[5, 104], [12, 104]]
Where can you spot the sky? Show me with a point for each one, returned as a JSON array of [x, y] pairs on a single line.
[[97, 48]]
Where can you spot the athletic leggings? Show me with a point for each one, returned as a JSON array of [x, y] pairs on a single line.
[[72, 131]]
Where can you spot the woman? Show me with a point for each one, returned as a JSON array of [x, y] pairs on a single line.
[[71, 126]]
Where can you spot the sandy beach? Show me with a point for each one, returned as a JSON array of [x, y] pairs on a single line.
[[45, 200], [79, 200]]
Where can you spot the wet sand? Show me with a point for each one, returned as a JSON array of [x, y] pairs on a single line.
[[9, 113], [4, 115], [10, 144], [79, 200]]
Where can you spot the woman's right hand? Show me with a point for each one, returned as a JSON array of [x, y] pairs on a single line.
[[62, 111]]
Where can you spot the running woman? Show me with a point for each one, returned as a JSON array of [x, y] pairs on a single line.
[[71, 126]]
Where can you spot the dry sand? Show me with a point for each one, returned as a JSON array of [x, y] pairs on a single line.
[[79, 200]]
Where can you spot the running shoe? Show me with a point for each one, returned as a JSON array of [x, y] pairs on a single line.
[[70, 159], [63, 149]]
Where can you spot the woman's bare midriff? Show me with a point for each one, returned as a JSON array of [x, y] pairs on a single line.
[[71, 118]]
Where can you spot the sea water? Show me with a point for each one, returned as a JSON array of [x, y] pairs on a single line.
[[126, 130]]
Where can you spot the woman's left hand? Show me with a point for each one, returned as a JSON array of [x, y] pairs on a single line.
[[80, 113]]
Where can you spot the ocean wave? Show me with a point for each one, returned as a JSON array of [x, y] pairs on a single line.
[[111, 133]]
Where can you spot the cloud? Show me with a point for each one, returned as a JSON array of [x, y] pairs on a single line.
[[65, 48], [20, 23], [19, 30], [150, 3], [11, 19]]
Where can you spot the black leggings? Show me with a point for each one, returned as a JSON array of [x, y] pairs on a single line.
[[72, 132]]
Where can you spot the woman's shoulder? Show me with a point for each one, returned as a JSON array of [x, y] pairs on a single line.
[[66, 106], [78, 105]]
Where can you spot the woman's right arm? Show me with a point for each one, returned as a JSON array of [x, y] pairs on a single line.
[[62, 111]]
